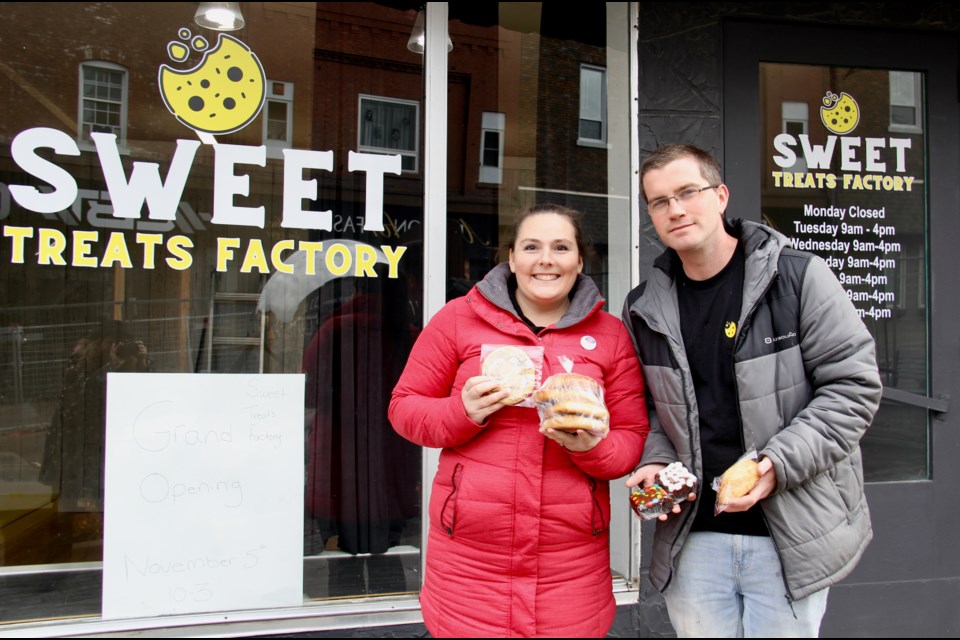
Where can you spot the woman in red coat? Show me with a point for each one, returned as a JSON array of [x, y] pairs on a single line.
[[519, 514]]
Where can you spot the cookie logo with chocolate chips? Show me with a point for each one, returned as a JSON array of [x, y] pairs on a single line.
[[223, 93]]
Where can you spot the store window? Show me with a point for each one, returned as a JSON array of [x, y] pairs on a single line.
[[182, 247], [849, 185], [525, 70], [103, 99], [389, 125]]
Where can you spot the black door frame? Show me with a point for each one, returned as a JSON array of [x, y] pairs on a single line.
[[909, 579]]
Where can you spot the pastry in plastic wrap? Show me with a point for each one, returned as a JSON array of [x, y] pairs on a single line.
[[569, 401], [513, 370], [738, 480], [650, 502], [677, 481]]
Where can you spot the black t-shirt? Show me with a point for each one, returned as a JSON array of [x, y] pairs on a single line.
[[709, 315]]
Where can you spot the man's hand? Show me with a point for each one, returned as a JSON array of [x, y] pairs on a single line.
[[646, 476], [764, 487]]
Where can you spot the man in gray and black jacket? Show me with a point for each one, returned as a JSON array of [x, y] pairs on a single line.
[[748, 344]]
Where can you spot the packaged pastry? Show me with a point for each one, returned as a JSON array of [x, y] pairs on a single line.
[[737, 480], [674, 485], [516, 369], [651, 501], [677, 480], [570, 401]]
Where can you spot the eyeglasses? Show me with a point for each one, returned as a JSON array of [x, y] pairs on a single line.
[[662, 205]]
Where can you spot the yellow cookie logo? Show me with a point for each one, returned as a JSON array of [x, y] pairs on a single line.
[[839, 114], [222, 94], [730, 329]]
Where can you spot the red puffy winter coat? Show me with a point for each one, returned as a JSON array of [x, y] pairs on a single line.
[[518, 542]]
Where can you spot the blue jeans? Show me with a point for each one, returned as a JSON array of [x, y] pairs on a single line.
[[731, 586]]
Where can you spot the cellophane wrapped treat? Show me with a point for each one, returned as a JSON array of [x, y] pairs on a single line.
[[674, 485], [677, 480], [518, 369], [737, 480], [651, 501], [570, 401]]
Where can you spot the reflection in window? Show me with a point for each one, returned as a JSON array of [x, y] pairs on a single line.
[[103, 93], [874, 239], [593, 106], [796, 121], [491, 147], [389, 125], [904, 101], [278, 116]]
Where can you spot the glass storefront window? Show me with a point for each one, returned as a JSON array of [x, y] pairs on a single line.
[[142, 253], [539, 112], [848, 183]]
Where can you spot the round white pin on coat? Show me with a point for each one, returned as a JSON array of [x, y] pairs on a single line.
[[588, 342]]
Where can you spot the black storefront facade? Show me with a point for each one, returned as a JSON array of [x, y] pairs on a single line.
[[357, 183]]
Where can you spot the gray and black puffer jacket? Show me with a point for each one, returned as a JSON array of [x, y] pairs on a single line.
[[807, 389]]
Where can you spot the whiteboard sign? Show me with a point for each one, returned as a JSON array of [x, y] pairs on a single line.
[[203, 497]]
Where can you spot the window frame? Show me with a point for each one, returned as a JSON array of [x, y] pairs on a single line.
[[917, 126], [83, 139], [275, 147], [602, 140], [366, 148], [492, 122]]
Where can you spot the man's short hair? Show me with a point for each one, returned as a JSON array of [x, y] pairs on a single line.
[[709, 168]]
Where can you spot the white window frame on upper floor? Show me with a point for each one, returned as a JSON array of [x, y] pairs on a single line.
[[405, 153], [278, 92], [588, 106], [83, 134]]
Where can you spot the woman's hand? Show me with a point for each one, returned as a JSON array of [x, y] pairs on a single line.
[[481, 397], [579, 440]]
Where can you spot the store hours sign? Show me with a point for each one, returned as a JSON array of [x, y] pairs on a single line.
[[843, 167]]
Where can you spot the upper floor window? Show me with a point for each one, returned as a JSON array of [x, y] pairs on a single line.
[[491, 147], [905, 114], [795, 120], [103, 100], [593, 105], [390, 126], [278, 117]]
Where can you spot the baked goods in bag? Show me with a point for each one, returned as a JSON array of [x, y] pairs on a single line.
[[514, 369], [737, 480], [651, 501], [570, 401]]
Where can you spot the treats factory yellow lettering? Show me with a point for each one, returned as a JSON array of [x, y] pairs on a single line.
[[865, 164]]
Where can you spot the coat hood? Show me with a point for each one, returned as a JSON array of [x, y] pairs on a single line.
[[586, 298]]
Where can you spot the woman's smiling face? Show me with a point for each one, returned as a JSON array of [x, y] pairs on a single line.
[[546, 260]]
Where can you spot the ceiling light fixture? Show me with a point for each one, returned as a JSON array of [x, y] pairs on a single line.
[[219, 16]]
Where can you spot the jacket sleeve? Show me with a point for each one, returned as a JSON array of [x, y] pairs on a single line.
[[658, 448], [617, 454], [840, 361], [422, 409]]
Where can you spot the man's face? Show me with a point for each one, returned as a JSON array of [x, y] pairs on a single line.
[[695, 226]]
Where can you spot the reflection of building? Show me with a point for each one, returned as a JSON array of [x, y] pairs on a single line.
[[544, 103]]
